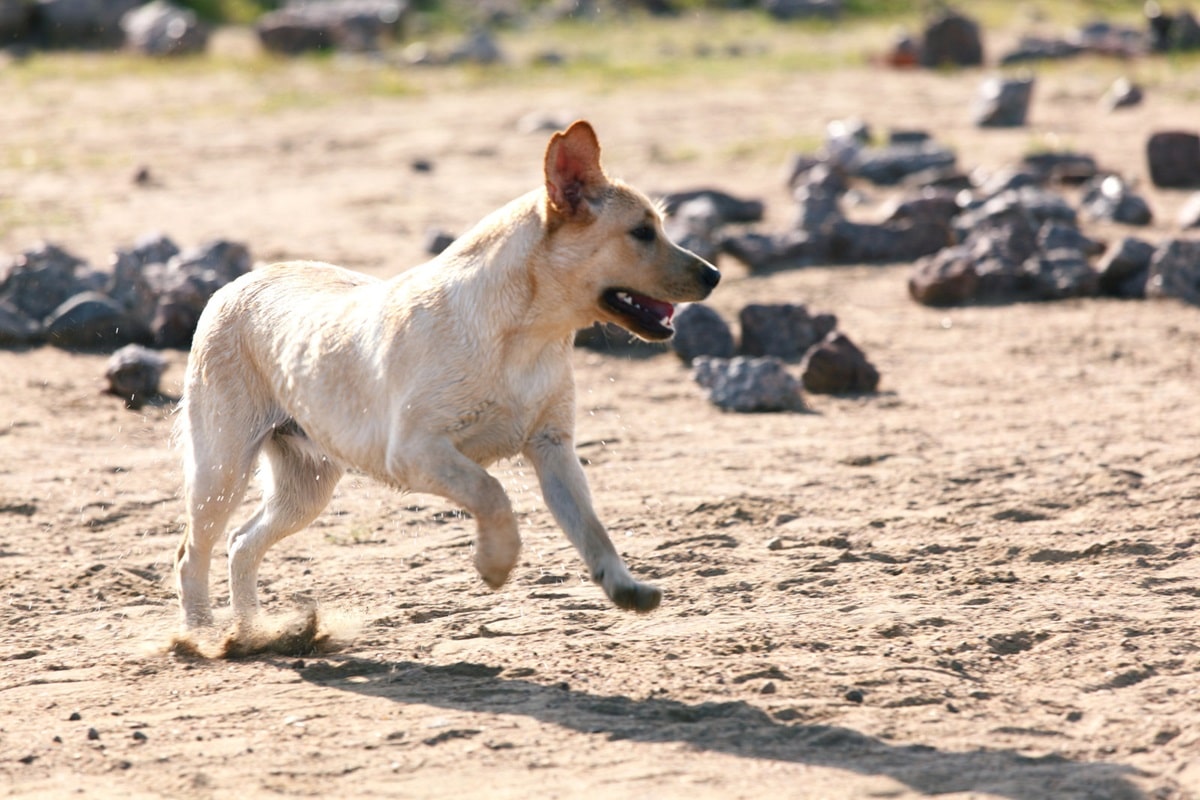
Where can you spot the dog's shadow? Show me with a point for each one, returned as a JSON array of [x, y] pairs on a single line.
[[735, 728]]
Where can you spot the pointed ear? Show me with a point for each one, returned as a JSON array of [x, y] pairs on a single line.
[[573, 169]]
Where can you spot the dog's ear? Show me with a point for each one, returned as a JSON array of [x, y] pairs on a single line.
[[573, 169]]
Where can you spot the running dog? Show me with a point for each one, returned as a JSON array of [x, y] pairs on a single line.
[[423, 380]]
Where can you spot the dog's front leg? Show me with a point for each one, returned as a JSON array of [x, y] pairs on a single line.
[[433, 465], [565, 489]]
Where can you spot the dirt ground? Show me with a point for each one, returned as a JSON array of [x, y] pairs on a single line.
[[983, 581]]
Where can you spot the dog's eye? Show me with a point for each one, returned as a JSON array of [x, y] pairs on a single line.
[[643, 233]]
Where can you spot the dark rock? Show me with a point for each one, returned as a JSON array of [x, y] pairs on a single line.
[[80, 23], [908, 136], [729, 209], [161, 29], [1174, 159], [782, 330], [133, 374], [837, 366], [946, 278], [762, 253], [951, 39], [1122, 94], [817, 199], [1175, 271], [938, 179], [1060, 167], [186, 284], [700, 331], [748, 384], [1037, 206], [1110, 198], [1037, 48], [352, 25], [15, 20], [939, 207], [89, 320], [1006, 180], [1003, 102], [803, 9], [613, 340], [1189, 214], [288, 33], [1125, 268], [17, 328], [859, 243], [1058, 236], [1059, 274], [887, 166], [40, 279], [437, 240], [1185, 32]]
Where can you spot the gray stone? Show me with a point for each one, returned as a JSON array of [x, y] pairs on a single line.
[[951, 39], [1039, 48], [1123, 93], [1060, 167], [477, 48], [748, 384], [80, 23], [763, 253], [946, 278], [887, 166], [1110, 198], [133, 374], [437, 240], [40, 279], [861, 243], [782, 330], [1003, 102], [729, 209], [1059, 236], [160, 28], [838, 366], [930, 205], [17, 329], [350, 25], [1175, 271], [1059, 274], [87, 321], [700, 331], [1174, 159], [1125, 267], [15, 20]]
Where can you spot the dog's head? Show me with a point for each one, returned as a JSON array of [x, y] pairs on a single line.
[[608, 237]]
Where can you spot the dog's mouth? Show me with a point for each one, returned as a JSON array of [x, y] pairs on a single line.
[[639, 314]]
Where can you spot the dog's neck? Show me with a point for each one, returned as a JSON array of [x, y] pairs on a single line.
[[492, 264]]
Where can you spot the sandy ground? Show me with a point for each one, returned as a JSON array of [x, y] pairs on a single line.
[[982, 582]]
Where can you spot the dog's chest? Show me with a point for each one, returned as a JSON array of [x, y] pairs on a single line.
[[499, 421]]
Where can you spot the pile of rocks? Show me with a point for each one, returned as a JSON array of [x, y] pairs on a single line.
[[357, 26], [752, 375], [153, 294]]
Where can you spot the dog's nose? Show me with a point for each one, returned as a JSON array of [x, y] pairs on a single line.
[[709, 276]]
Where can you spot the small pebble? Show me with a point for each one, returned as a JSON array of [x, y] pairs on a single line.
[[854, 696], [138, 736], [75, 717], [93, 734], [768, 688]]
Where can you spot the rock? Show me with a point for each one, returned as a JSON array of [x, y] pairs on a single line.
[[748, 384], [1123, 93], [1184, 33], [951, 39], [187, 282], [929, 205], [817, 198], [700, 331], [887, 166], [352, 25], [783, 330], [694, 225], [17, 329], [837, 366], [1189, 214], [1003, 102], [437, 240], [946, 278], [763, 253], [1174, 159], [1058, 236], [803, 9], [79, 23], [1060, 167], [40, 279], [15, 20], [477, 48], [133, 374], [859, 243], [1110, 198], [134, 284], [87, 321], [613, 340], [161, 29], [729, 209], [1037, 48], [1059, 274], [1125, 268], [1175, 271]]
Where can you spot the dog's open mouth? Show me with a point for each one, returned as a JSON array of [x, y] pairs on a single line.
[[641, 315]]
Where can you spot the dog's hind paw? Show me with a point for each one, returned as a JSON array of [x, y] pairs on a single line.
[[639, 597]]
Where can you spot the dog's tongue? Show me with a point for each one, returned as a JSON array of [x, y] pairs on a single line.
[[664, 311]]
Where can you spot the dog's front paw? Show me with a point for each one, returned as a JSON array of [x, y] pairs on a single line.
[[634, 596]]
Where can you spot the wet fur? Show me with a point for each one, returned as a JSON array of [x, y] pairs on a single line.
[[421, 381]]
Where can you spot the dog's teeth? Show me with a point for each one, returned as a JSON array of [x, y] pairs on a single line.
[[624, 298]]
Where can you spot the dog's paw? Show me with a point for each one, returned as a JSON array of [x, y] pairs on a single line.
[[639, 597]]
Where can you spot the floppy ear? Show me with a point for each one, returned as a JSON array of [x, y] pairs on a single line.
[[573, 168]]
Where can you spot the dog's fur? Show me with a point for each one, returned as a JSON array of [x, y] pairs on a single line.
[[423, 380]]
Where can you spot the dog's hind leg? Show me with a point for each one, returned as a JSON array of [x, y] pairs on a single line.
[[217, 469], [565, 489], [298, 484], [431, 464]]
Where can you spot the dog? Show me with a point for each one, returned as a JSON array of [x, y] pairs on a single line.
[[422, 381]]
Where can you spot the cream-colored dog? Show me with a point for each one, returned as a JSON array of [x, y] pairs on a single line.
[[423, 380]]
